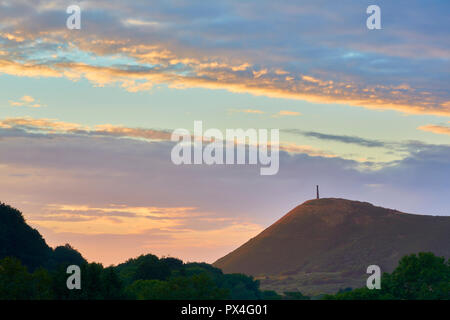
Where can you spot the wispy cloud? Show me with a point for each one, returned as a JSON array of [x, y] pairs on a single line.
[[52, 126], [286, 113], [217, 46], [339, 138], [140, 23], [118, 219], [305, 149], [45, 125], [55, 126], [251, 111], [25, 101], [159, 230]]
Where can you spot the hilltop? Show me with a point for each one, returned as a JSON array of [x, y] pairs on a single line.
[[324, 245]]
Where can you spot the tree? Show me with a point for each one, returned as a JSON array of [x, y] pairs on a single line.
[[422, 276], [113, 288], [417, 277], [16, 283], [65, 255], [14, 280], [242, 287], [18, 239], [149, 267], [198, 287]]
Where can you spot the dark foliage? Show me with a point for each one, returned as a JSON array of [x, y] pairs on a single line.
[[417, 277], [18, 239]]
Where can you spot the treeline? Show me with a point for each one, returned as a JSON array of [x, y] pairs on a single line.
[[146, 277], [417, 277], [19, 240]]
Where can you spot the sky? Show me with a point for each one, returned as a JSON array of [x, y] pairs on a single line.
[[86, 116]]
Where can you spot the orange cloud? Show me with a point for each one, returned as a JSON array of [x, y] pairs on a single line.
[[314, 80], [260, 73], [435, 129], [305, 149], [49, 125], [133, 132], [27, 69], [13, 37], [164, 59], [116, 219], [25, 101], [140, 23], [287, 113], [54, 126], [252, 111]]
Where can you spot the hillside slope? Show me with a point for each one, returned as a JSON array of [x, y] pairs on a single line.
[[327, 244]]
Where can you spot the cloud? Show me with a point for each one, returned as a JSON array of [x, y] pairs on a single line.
[[120, 131], [316, 81], [282, 113], [218, 46], [25, 101], [259, 73], [136, 79], [251, 111], [118, 219], [127, 197], [111, 248], [339, 138], [438, 129], [54, 126], [46, 125], [287, 113], [305, 149], [140, 23]]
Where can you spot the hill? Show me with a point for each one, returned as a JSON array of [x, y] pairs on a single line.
[[324, 245]]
